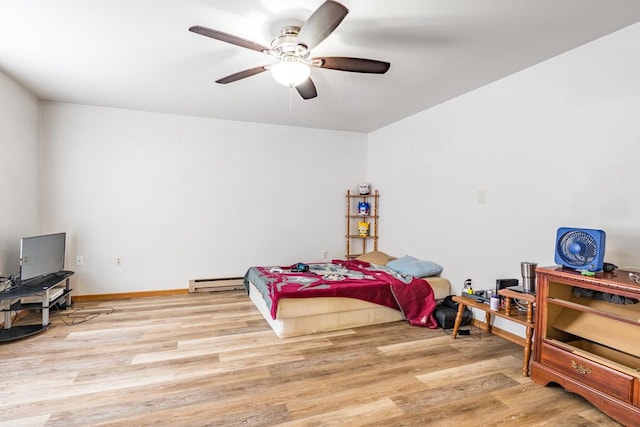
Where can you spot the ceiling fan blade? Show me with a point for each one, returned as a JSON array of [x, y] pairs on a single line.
[[307, 89], [356, 65], [242, 75], [321, 23], [227, 38]]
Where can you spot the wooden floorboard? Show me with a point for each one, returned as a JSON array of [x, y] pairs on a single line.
[[210, 359]]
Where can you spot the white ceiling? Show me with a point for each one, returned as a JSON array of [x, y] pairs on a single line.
[[139, 54]]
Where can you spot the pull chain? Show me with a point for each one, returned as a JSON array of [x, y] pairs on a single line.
[[291, 100]]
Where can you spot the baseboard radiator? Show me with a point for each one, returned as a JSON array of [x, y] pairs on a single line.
[[217, 284]]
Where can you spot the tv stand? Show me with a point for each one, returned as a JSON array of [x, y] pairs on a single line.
[[10, 301]]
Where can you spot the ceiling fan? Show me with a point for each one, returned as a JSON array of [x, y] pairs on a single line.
[[293, 47]]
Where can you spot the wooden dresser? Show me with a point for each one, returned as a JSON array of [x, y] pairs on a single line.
[[588, 344]]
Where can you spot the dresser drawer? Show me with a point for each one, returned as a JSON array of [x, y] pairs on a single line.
[[612, 382]]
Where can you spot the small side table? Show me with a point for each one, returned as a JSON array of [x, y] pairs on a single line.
[[516, 316]]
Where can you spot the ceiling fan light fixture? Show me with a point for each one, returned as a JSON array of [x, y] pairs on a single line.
[[292, 51], [290, 71]]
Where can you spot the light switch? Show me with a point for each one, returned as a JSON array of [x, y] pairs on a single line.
[[482, 196]]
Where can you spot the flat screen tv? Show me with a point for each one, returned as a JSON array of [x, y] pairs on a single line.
[[41, 255]]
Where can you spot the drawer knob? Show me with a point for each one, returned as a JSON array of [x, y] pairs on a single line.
[[580, 369]]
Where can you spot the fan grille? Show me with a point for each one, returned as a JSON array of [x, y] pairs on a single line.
[[577, 248]]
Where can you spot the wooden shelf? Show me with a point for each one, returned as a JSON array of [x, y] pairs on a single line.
[[363, 243], [618, 313]]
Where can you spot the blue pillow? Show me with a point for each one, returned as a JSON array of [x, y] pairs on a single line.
[[415, 267]]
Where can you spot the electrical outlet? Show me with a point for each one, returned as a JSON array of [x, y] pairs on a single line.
[[325, 254], [118, 261], [79, 260]]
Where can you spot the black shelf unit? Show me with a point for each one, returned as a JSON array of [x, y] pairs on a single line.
[[10, 300]]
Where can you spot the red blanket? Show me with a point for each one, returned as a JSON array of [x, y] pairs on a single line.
[[351, 279]]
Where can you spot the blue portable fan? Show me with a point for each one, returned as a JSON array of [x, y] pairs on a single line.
[[580, 248]]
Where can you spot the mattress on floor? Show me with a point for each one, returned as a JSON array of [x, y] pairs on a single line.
[[302, 316]]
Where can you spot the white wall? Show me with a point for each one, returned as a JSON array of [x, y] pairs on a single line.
[[19, 181], [180, 198], [554, 145]]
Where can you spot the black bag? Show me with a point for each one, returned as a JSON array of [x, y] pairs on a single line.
[[446, 312]]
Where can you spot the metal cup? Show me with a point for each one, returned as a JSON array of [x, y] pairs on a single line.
[[528, 271]]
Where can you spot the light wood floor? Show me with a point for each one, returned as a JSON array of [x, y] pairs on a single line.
[[211, 360]]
